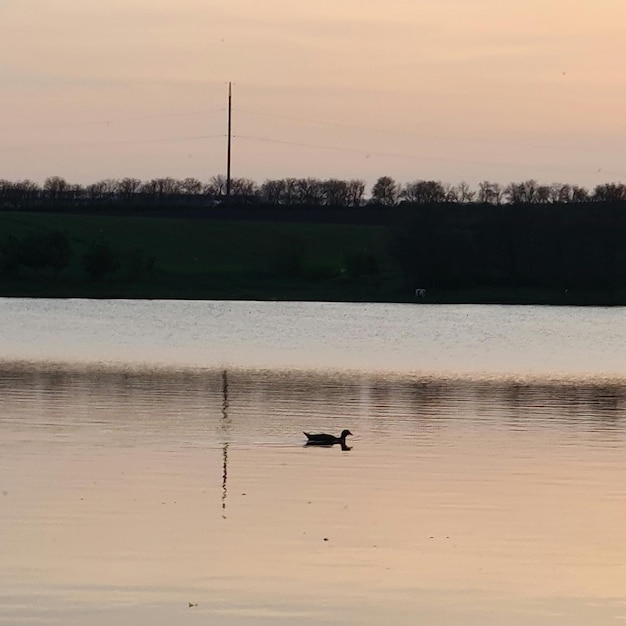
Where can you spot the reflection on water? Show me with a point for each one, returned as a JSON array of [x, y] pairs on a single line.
[[225, 423], [224, 479], [342, 446], [462, 501]]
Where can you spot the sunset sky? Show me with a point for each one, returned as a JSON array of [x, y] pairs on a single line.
[[452, 90]]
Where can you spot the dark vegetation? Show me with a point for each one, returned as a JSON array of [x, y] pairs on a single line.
[[141, 257], [306, 239], [132, 194]]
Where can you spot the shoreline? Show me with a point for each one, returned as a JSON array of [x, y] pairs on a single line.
[[479, 296], [116, 257]]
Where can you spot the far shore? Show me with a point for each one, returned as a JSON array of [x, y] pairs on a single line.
[[317, 293], [51, 255]]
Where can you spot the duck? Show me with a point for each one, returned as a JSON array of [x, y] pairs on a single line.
[[322, 439]]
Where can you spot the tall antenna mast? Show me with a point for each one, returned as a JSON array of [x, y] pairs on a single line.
[[230, 114]]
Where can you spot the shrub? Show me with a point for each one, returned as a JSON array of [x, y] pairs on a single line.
[[10, 255], [100, 260]]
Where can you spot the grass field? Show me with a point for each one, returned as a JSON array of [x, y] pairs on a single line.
[[220, 259], [196, 258]]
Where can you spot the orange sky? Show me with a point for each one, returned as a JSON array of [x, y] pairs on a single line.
[[451, 90]]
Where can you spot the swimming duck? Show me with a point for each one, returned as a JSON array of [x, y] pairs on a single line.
[[322, 439]]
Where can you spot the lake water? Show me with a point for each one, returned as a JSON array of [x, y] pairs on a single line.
[[152, 458]]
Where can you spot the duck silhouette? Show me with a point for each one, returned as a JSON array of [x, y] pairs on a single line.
[[322, 439]]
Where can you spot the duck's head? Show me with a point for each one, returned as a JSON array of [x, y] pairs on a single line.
[[345, 433]]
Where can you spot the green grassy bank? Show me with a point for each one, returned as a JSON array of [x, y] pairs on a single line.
[[210, 259], [222, 259]]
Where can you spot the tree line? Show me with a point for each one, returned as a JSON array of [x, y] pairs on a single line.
[[569, 249], [57, 193]]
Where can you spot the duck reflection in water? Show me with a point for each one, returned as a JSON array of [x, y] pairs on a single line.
[[322, 439]]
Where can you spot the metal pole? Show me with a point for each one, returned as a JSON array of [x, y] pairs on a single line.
[[230, 113]]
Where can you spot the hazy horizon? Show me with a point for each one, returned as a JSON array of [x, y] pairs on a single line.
[[460, 90]]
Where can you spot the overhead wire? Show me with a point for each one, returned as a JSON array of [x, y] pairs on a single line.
[[114, 143], [113, 120], [398, 155], [395, 131], [375, 129], [364, 152]]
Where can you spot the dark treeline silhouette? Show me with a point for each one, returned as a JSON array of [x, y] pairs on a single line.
[[56, 194], [131, 193], [521, 236], [559, 247]]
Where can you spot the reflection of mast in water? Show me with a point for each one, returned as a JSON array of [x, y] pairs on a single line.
[[225, 423], [224, 477], [225, 392]]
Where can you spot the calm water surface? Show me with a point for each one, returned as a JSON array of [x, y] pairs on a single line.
[[151, 456], [427, 339]]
